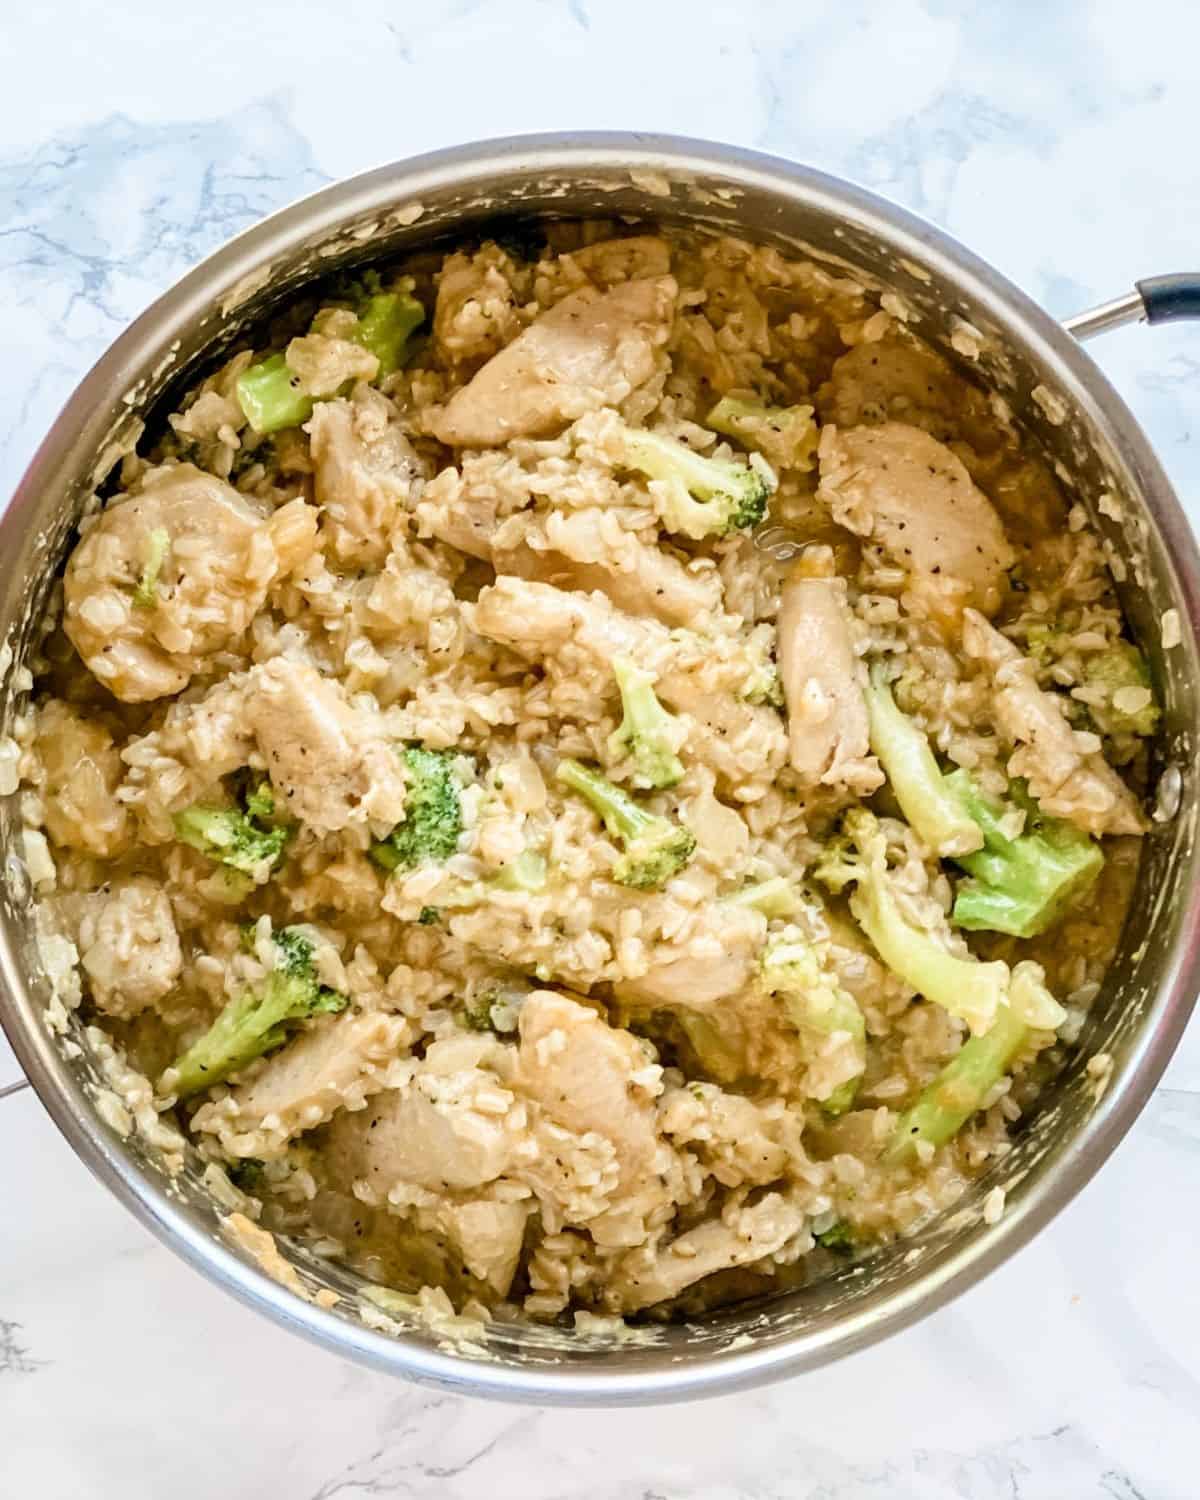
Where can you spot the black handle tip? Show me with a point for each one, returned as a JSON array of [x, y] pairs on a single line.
[[1170, 297]]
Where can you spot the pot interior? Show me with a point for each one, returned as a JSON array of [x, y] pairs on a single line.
[[961, 309]]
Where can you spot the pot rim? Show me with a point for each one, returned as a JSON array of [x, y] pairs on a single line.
[[193, 297]]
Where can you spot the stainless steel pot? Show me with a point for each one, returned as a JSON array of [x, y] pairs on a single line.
[[954, 301]]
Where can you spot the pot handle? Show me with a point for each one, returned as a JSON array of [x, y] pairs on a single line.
[[1156, 299]]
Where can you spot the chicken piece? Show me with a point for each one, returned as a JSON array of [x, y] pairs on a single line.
[[895, 380], [585, 1075], [908, 492], [329, 759], [475, 314], [538, 620], [82, 769], [740, 1141], [609, 262], [1067, 781], [338, 1064], [465, 522], [488, 1235], [365, 468], [454, 1125], [589, 1077], [577, 630], [589, 350], [164, 579], [747, 1234], [700, 980], [822, 680], [586, 551], [128, 946]]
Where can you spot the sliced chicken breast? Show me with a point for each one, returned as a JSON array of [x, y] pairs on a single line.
[[590, 350]]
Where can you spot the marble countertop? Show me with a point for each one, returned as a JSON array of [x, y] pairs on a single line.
[[1057, 140]]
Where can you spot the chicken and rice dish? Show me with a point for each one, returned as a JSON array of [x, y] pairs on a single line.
[[595, 773]]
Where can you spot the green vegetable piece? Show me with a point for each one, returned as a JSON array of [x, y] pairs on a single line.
[[145, 596], [776, 897], [433, 817], [786, 435], [385, 322], [430, 916], [231, 838], [260, 802], [698, 496], [269, 396], [648, 733], [525, 873], [247, 1175], [655, 848], [964, 986], [1020, 885], [1122, 673], [837, 1238], [932, 809], [257, 1021], [958, 1091], [797, 970]]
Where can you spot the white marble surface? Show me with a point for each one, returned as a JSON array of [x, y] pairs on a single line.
[[1057, 138]]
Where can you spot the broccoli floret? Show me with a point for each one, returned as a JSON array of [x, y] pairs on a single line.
[[233, 837], [966, 987], [648, 734], [430, 916], [158, 544], [958, 1091], [786, 435], [776, 897], [433, 817], [385, 321], [1129, 706], [695, 495], [258, 1020], [270, 396], [797, 969], [932, 809], [655, 848], [764, 685], [1020, 885]]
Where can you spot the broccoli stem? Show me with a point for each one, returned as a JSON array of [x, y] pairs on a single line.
[[646, 732], [1020, 885], [269, 397], [966, 987], [158, 544], [959, 1090], [655, 848], [932, 809]]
